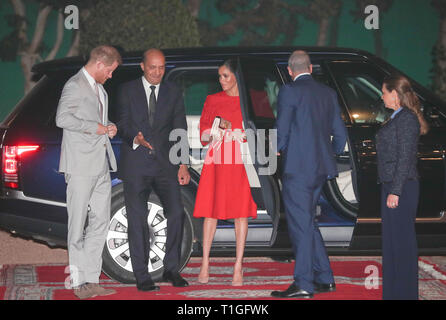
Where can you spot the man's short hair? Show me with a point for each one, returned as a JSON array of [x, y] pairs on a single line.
[[106, 54], [299, 61]]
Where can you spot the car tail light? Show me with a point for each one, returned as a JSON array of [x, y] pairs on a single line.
[[11, 163]]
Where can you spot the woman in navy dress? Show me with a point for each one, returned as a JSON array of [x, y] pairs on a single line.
[[397, 146]]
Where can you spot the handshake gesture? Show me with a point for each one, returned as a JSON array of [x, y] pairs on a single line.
[[110, 130]]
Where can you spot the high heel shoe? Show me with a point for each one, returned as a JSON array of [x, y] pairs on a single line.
[[203, 279], [237, 282]]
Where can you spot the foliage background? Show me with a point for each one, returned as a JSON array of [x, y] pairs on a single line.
[[166, 24], [409, 37]]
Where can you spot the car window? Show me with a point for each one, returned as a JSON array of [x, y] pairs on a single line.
[[263, 90], [434, 115], [40, 105], [360, 85], [196, 84], [263, 87], [320, 75], [38, 108]]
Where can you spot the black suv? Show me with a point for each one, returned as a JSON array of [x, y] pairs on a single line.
[[32, 199]]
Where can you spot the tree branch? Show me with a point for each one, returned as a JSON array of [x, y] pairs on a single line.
[[19, 9], [74, 48], [324, 26], [40, 28], [59, 37], [194, 7]]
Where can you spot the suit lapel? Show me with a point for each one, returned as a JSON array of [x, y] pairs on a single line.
[[104, 93], [89, 90], [85, 83]]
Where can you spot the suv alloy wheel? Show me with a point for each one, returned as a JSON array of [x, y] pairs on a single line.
[[116, 255]]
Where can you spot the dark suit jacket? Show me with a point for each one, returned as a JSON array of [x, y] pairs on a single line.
[[396, 146], [308, 115], [133, 116]]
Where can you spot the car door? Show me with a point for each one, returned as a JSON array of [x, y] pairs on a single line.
[[259, 81], [337, 207], [196, 83], [360, 85]]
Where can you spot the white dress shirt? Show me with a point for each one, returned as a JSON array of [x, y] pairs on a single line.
[[148, 91], [302, 74], [147, 85]]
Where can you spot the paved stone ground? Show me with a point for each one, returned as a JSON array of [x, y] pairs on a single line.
[[15, 250]]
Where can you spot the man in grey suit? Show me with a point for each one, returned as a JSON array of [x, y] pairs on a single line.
[[86, 158]]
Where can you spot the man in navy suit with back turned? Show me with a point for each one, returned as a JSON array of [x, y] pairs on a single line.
[[149, 110], [308, 116]]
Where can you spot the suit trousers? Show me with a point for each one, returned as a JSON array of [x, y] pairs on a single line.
[[300, 197], [399, 244], [87, 197], [137, 190]]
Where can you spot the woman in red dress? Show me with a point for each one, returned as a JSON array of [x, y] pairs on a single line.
[[224, 191]]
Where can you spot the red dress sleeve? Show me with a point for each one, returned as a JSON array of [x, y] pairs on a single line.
[[206, 119]]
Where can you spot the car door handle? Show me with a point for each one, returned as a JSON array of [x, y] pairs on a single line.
[[343, 156]]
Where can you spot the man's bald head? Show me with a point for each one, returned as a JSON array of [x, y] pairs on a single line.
[[153, 66], [153, 52], [299, 62]]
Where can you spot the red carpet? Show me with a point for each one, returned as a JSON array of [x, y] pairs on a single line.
[[261, 275]]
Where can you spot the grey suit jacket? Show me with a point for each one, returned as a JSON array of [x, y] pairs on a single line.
[[397, 146], [83, 152]]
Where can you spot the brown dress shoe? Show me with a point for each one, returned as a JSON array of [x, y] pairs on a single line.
[[100, 291], [84, 292]]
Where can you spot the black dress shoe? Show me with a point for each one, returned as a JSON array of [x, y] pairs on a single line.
[[324, 287], [175, 278], [148, 285], [292, 292]]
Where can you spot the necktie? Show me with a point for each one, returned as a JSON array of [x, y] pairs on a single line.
[[101, 107], [152, 104]]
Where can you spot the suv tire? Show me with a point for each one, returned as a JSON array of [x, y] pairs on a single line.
[[118, 267]]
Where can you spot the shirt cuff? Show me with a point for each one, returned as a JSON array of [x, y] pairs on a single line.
[[135, 145]]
